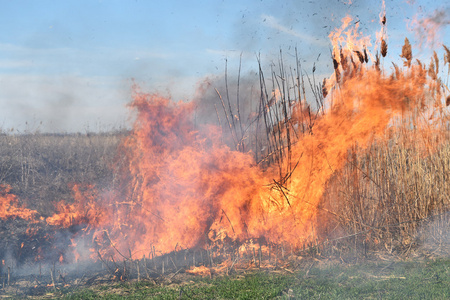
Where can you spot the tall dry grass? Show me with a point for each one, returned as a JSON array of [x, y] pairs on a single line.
[[393, 196], [41, 168]]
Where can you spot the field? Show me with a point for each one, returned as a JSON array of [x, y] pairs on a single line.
[[341, 195], [409, 263]]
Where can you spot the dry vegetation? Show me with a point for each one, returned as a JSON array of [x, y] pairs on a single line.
[[392, 196], [41, 168]]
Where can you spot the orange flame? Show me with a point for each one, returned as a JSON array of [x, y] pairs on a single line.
[[10, 208], [84, 210], [201, 271]]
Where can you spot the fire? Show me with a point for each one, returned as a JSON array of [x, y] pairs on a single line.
[[10, 208], [186, 185], [183, 180], [84, 210], [181, 187], [201, 270], [74, 244]]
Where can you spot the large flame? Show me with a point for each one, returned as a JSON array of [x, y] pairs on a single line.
[[179, 186], [183, 181], [188, 188]]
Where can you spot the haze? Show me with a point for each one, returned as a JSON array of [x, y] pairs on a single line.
[[69, 66]]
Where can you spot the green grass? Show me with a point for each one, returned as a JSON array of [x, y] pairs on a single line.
[[395, 280], [251, 286], [401, 280]]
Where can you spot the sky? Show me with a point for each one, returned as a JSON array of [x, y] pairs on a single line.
[[70, 66]]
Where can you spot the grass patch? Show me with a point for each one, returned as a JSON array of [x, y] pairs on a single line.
[[398, 280], [251, 286], [387, 280]]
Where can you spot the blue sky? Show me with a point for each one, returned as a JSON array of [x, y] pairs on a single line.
[[69, 65]]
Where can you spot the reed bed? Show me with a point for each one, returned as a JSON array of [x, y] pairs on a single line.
[[392, 195]]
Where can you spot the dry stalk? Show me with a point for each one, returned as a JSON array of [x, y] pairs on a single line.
[[407, 53], [114, 247], [175, 266], [138, 271], [230, 124], [276, 258], [62, 277], [384, 48], [228, 220], [53, 280], [211, 258], [124, 275], [146, 268], [37, 281], [234, 262], [104, 263], [260, 258]]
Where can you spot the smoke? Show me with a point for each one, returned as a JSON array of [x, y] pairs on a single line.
[[230, 102], [428, 29], [62, 103], [434, 234]]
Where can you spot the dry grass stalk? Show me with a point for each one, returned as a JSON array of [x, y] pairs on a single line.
[[338, 75], [446, 55], [360, 56], [407, 53], [432, 70], [260, 256], [335, 63], [384, 48], [324, 88], [389, 215], [447, 61], [377, 62], [53, 278], [138, 271], [397, 70], [436, 62]]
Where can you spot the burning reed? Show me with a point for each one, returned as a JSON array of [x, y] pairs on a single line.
[[183, 187]]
